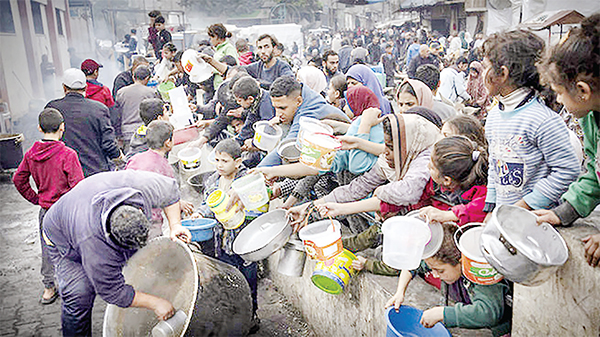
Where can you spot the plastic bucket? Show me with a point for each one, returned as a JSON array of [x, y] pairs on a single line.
[[201, 229], [163, 90], [322, 239], [190, 157], [198, 70], [266, 136], [332, 276], [404, 240], [437, 236], [311, 125], [252, 190], [288, 151], [319, 150], [217, 201], [474, 265], [407, 322]]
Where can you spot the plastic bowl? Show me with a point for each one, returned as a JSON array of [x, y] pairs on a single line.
[[407, 322], [201, 229]]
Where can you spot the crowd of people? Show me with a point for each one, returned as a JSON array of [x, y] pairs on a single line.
[[451, 127]]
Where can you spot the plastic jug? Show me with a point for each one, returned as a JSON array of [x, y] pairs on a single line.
[[404, 239], [266, 136], [171, 327], [217, 201]]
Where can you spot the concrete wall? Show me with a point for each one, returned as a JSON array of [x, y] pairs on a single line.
[[568, 304]]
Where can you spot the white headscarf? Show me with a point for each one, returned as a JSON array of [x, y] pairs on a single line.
[[313, 77]]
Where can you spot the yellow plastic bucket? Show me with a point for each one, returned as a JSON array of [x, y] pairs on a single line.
[[474, 266], [332, 276], [318, 150], [217, 201]]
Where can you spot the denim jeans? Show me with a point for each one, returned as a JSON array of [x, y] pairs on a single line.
[[249, 271], [272, 159]]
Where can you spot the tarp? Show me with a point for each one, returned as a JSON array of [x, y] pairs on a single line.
[[549, 19]]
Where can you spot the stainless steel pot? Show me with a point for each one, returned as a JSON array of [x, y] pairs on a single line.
[[292, 259], [263, 236], [519, 249]]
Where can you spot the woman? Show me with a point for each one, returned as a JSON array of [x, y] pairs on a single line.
[[399, 178], [218, 36], [476, 86], [361, 74], [313, 78], [412, 93]]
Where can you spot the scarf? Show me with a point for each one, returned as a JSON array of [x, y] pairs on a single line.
[[360, 98], [424, 94], [411, 135], [313, 78], [366, 76], [476, 86]]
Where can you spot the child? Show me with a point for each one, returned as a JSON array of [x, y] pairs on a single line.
[[468, 126], [159, 139], [573, 70], [530, 166], [55, 169], [163, 36], [228, 158], [336, 92], [151, 109], [477, 306]]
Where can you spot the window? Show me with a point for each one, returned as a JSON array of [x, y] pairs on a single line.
[[59, 25], [38, 24], [7, 24]]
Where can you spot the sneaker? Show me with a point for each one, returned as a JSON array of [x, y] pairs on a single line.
[[255, 325]]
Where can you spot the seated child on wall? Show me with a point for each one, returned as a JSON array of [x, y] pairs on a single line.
[[477, 306]]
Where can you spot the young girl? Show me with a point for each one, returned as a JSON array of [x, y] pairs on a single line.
[[465, 125], [336, 92], [573, 70], [530, 166], [413, 93], [477, 306]]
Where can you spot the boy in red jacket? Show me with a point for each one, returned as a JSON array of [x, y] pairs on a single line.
[[94, 89], [55, 168]]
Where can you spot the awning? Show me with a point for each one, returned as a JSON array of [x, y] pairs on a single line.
[[396, 23], [548, 19]]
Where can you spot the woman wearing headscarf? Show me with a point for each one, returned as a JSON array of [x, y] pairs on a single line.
[[413, 93], [359, 73], [476, 86], [399, 178], [313, 78]]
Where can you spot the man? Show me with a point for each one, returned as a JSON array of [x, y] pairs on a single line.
[[95, 90], [87, 125], [374, 49], [331, 63], [412, 51], [452, 81], [389, 65], [266, 70], [422, 58], [345, 56], [94, 229], [164, 36], [128, 105], [430, 75], [125, 78], [152, 32], [293, 100], [359, 53]]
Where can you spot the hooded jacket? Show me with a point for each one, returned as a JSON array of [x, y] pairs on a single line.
[[55, 169], [98, 92], [76, 226]]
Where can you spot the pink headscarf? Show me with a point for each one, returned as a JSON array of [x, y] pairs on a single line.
[[361, 98], [424, 94]]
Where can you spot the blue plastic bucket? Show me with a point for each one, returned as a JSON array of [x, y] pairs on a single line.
[[201, 229], [407, 323]]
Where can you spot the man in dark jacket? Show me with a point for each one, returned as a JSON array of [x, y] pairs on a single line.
[[345, 56], [87, 123], [94, 229], [125, 78], [422, 58]]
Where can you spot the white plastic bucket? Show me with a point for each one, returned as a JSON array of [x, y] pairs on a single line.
[[190, 157], [198, 70], [252, 190], [311, 125], [264, 141], [322, 239], [404, 239], [319, 150]]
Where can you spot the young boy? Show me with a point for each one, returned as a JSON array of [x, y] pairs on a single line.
[[228, 157], [55, 169], [159, 139], [151, 109]]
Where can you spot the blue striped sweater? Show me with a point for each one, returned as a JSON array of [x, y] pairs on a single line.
[[531, 157]]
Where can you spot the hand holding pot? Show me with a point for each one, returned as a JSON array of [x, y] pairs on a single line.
[[163, 309], [332, 209], [181, 233], [438, 215], [297, 215], [546, 215], [396, 301], [432, 316], [186, 207], [592, 249]]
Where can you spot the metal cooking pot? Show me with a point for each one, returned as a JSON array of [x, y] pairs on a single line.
[[519, 249], [292, 259], [263, 236]]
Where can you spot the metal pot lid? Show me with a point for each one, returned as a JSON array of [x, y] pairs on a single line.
[[260, 232], [520, 233]]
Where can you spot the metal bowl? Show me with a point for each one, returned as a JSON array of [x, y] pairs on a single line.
[[288, 151], [519, 249], [263, 236]]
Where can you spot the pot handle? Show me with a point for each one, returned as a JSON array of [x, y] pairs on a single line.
[[511, 249], [488, 256]]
